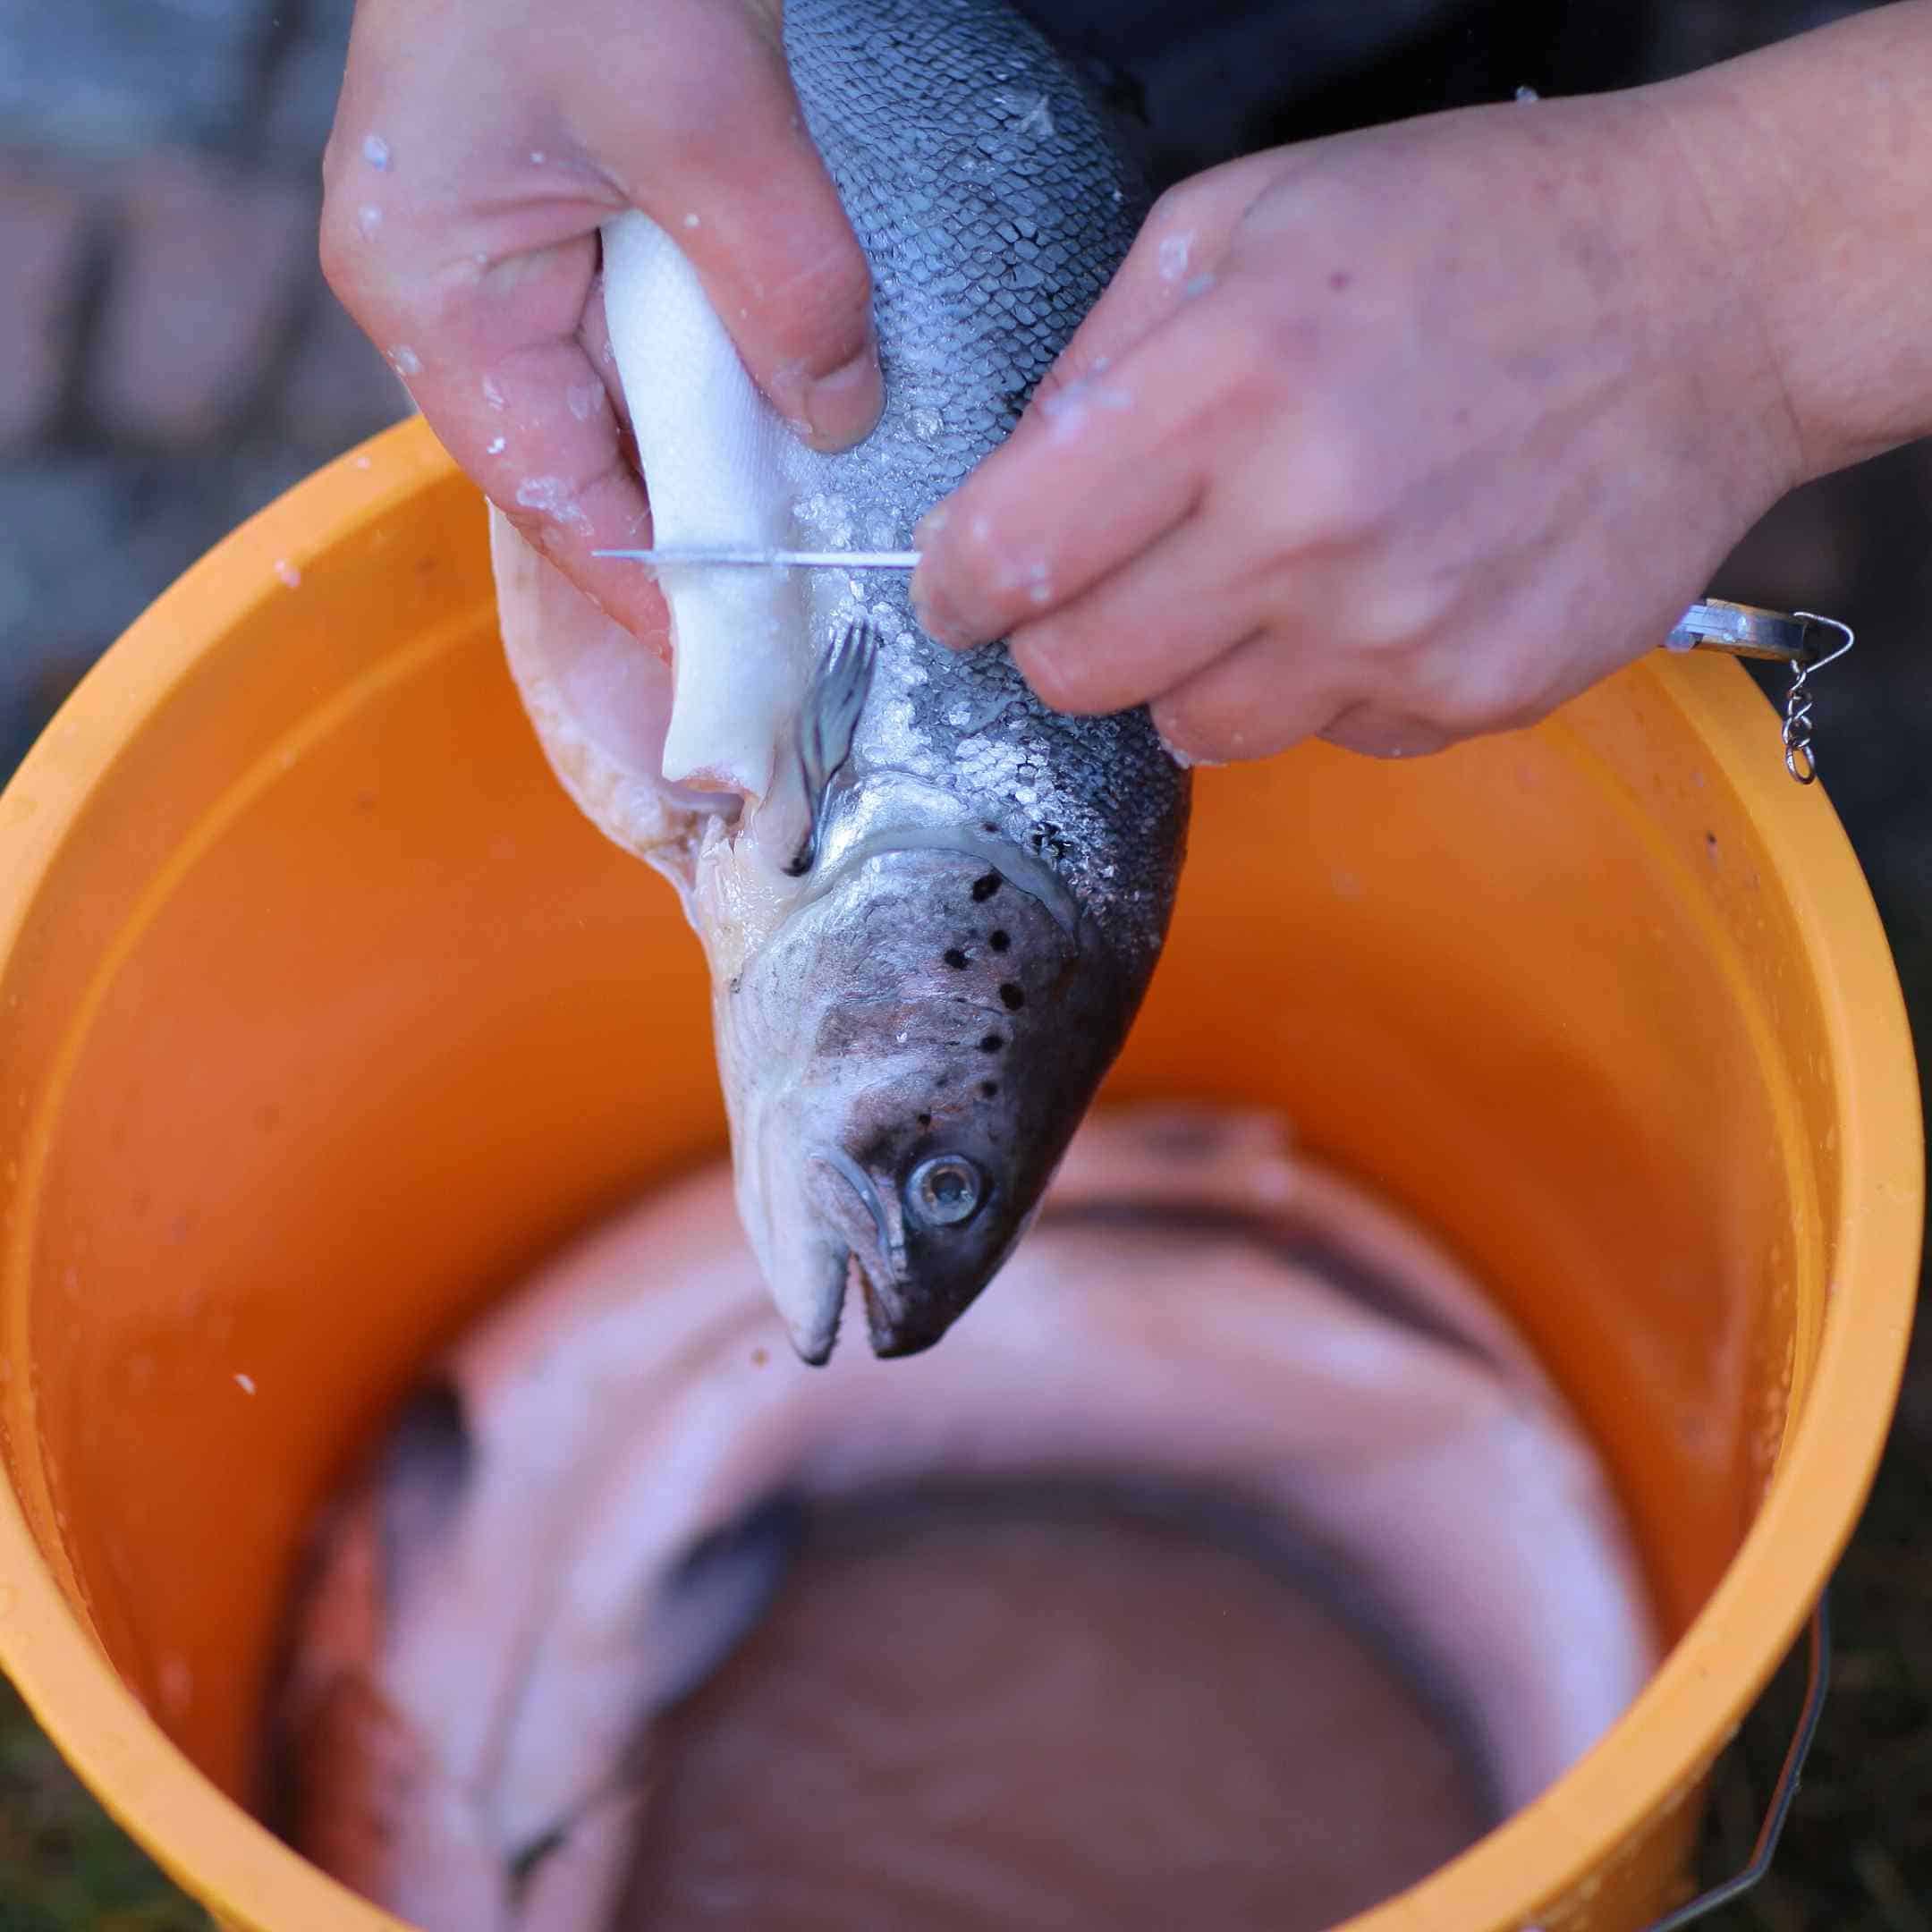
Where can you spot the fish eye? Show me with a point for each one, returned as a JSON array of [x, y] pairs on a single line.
[[944, 1191]]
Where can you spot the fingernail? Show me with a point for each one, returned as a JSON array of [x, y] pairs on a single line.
[[933, 618], [841, 409], [1166, 729]]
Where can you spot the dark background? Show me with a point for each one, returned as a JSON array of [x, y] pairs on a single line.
[[169, 360]]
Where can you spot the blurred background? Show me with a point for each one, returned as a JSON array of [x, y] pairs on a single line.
[[169, 360]]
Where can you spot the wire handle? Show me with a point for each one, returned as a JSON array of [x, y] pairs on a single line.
[[1798, 759], [1817, 1682]]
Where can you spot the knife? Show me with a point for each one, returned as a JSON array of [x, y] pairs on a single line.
[[1800, 639]]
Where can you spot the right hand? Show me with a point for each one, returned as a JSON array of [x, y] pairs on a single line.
[[1405, 435], [477, 146]]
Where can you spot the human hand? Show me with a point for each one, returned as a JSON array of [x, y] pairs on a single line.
[[1395, 437], [477, 146]]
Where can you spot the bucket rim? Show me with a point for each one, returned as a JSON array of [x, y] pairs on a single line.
[[1650, 1761]]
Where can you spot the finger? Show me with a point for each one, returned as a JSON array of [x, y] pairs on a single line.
[[594, 333], [1377, 731], [1241, 706], [504, 380], [567, 479], [470, 259], [1123, 458], [695, 118], [1171, 611]]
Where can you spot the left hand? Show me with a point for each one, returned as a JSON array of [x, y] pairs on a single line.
[[1393, 438]]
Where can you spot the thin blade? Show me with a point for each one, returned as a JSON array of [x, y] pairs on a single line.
[[1741, 628], [890, 560]]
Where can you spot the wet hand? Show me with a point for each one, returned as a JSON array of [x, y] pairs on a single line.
[[477, 146], [1393, 438]]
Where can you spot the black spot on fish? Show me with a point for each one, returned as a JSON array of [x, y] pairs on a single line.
[[990, 1089], [984, 888], [1000, 940], [991, 1043], [941, 1079], [1011, 998], [925, 1120], [987, 825], [955, 958]]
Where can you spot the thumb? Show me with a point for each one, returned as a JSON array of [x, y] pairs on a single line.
[[719, 158]]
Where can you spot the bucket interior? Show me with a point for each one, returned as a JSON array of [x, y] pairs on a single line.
[[329, 1016]]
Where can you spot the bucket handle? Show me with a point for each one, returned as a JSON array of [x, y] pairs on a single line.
[[1802, 640], [1786, 1789]]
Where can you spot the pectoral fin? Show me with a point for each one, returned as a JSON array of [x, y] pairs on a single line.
[[833, 703]]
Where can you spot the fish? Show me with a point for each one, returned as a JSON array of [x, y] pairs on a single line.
[[596, 1497], [930, 906]]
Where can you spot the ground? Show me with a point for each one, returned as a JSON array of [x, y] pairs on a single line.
[[154, 154]]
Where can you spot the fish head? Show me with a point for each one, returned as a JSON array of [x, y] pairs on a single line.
[[906, 1058]]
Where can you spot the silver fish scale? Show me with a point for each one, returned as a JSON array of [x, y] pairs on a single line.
[[994, 209]]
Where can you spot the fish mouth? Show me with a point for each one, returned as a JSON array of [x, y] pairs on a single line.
[[892, 1326], [894, 1329], [889, 1327], [874, 1262], [816, 1335], [813, 1321]]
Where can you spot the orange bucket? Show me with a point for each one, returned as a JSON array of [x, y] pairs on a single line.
[[323, 1015]]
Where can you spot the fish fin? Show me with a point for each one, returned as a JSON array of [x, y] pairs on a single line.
[[833, 703], [423, 1472], [722, 1586]]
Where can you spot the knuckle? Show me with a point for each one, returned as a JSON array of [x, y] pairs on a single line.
[[358, 267], [336, 240], [1254, 376], [1339, 494], [819, 311], [1268, 374], [1398, 616], [1180, 206]]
